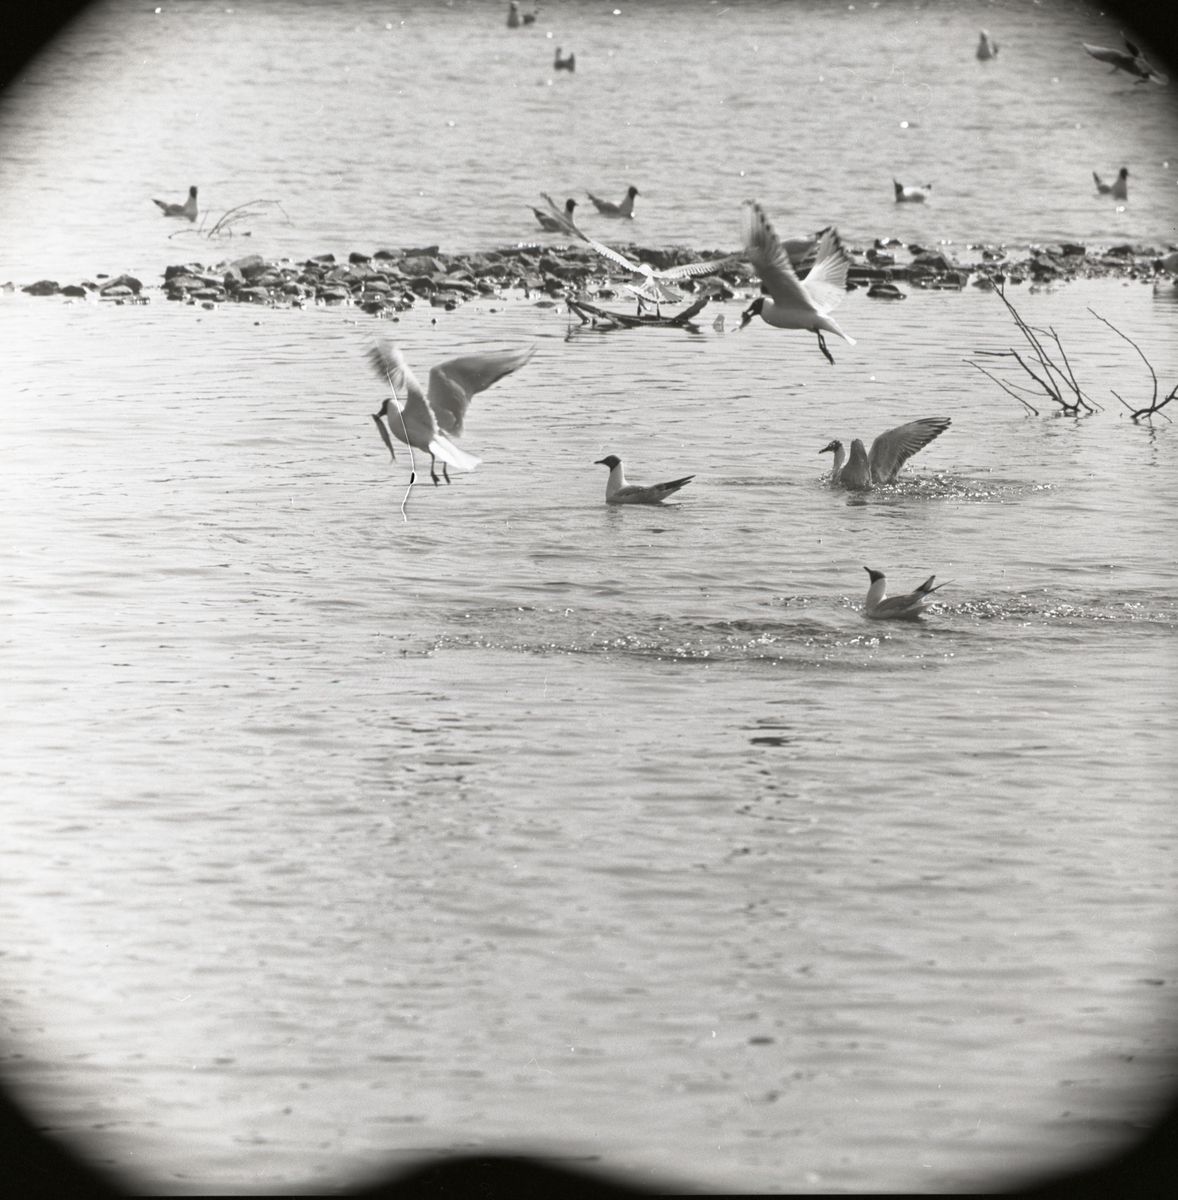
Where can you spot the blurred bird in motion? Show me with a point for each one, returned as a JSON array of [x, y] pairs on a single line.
[[882, 607], [186, 211], [559, 223], [792, 303], [911, 195], [889, 452], [429, 422], [1132, 63], [618, 491], [1119, 188], [625, 209]]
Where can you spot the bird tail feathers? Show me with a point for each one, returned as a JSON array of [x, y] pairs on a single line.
[[441, 447]]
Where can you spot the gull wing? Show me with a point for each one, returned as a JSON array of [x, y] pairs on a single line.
[[614, 256], [1116, 57], [699, 268], [454, 383], [1134, 50], [389, 363], [826, 283], [561, 217], [655, 291], [770, 261], [891, 450]]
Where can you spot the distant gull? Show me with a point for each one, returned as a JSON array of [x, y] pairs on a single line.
[[515, 18], [987, 46], [911, 195], [618, 491], [429, 423], [881, 607], [889, 452], [1119, 188], [562, 219], [625, 209], [1132, 63], [556, 224], [564, 64], [187, 210], [792, 303]]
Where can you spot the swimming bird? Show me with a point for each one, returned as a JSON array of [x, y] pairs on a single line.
[[513, 16], [882, 607], [428, 423], [792, 303], [1132, 63], [987, 47], [559, 223], [618, 491], [563, 217], [187, 210], [625, 209], [889, 452], [911, 195], [1119, 187], [564, 64]]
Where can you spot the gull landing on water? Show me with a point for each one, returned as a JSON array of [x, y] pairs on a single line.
[[882, 607], [428, 423], [618, 491], [793, 303], [889, 452], [625, 209], [187, 210]]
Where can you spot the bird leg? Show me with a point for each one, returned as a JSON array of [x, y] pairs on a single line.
[[445, 472], [822, 347], [432, 473]]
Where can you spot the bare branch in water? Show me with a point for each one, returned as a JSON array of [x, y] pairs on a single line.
[[1003, 386], [224, 225], [1154, 405]]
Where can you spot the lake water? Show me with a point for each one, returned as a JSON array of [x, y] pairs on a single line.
[[334, 838]]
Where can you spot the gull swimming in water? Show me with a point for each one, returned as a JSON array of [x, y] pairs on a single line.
[[564, 64], [1132, 63], [625, 209], [882, 607], [794, 303], [1119, 187], [911, 195], [187, 210], [618, 491], [428, 423], [987, 46], [559, 223], [889, 452]]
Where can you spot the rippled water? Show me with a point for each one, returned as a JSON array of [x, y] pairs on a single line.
[[332, 838]]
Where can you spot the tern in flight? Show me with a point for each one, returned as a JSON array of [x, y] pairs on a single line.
[[793, 303], [559, 223], [1132, 63], [618, 491], [889, 452], [187, 210], [625, 209], [1119, 188], [429, 422], [882, 607]]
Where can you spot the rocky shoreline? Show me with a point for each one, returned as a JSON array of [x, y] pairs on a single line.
[[391, 281]]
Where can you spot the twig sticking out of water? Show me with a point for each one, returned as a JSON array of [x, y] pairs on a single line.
[[224, 225], [1154, 405], [1056, 379]]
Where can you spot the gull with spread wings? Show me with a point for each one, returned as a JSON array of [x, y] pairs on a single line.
[[889, 452], [428, 422], [793, 303], [1133, 63]]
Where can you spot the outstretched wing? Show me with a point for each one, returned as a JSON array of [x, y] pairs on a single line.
[[891, 450], [389, 363], [614, 256], [1105, 55], [562, 218], [827, 280], [699, 268], [453, 383], [769, 259]]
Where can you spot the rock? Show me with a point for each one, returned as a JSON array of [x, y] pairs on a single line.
[[1120, 251], [1073, 248], [251, 265], [429, 251], [357, 257], [115, 291], [386, 254], [322, 258], [73, 290], [333, 295], [885, 291], [933, 259], [43, 287], [255, 295], [420, 264]]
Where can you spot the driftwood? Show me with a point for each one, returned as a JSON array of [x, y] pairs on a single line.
[[603, 320]]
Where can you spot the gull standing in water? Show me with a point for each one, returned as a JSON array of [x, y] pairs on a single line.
[[561, 221], [911, 195], [882, 607], [793, 303], [1132, 63], [618, 491], [428, 423], [625, 209], [889, 452], [1119, 187], [187, 210]]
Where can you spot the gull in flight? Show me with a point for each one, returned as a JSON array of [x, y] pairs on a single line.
[[1119, 188], [882, 607], [1132, 63], [559, 223], [793, 303], [625, 209], [911, 195], [618, 491], [889, 452], [987, 46], [187, 210], [429, 422]]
